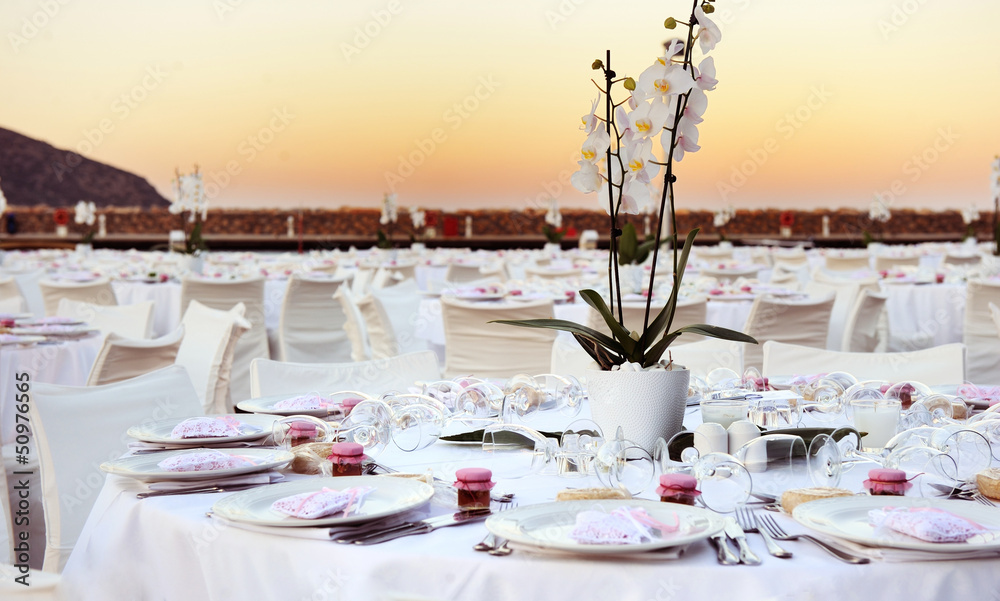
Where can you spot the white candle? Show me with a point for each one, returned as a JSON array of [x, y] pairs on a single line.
[[878, 418], [723, 412]]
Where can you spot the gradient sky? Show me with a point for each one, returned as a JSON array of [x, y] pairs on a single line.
[[887, 80]]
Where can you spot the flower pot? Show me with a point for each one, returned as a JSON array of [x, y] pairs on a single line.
[[193, 263], [647, 405], [552, 248], [84, 249]]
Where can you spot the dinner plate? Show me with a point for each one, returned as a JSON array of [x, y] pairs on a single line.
[[252, 427], [146, 468], [55, 331], [388, 497], [475, 296], [16, 316], [19, 340], [547, 526], [266, 405], [847, 518]]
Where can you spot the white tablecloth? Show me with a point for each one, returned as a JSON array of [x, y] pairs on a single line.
[[924, 315]]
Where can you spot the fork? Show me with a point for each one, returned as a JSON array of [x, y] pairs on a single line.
[[489, 542], [979, 497], [747, 520], [502, 550], [768, 523]]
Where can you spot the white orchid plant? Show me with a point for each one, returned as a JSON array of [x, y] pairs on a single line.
[[879, 211], [3, 203], [388, 217], [189, 197], [85, 213], [667, 101], [995, 190]]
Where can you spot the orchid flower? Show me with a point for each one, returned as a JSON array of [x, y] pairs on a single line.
[[418, 217], [3, 203], [648, 119], [697, 104], [588, 178], [85, 213], [663, 79], [879, 210], [709, 33], [970, 214], [390, 212], [638, 158], [687, 140], [553, 217], [636, 198], [596, 144], [590, 120], [705, 75]]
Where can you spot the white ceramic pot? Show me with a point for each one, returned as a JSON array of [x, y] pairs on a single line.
[[646, 404], [552, 248]]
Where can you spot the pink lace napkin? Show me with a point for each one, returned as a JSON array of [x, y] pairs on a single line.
[[304, 402], [925, 523], [207, 427], [984, 393], [312, 505], [623, 526], [205, 461]]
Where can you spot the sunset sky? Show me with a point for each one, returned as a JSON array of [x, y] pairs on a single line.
[[333, 109]]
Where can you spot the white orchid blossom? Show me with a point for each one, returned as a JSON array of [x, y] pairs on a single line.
[[696, 106], [418, 217], [879, 210], [995, 177], [590, 120], [687, 140], [970, 214], [639, 160], [636, 197], [3, 203], [588, 178], [723, 216], [85, 213], [390, 212], [705, 75], [553, 217], [648, 119], [662, 80], [709, 33], [595, 146]]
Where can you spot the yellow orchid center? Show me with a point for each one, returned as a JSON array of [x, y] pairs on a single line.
[[589, 154], [636, 164], [643, 125], [662, 85]]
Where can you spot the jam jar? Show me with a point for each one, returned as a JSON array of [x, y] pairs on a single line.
[[887, 482], [474, 485], [678, 488], [346, 459]]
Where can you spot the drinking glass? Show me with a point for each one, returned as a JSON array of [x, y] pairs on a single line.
[[877, 419]]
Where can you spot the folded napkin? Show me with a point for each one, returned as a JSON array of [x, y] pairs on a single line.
[[208, 427], [924, 523], [972, 392], [304, 402], [313, 505], [623, 526], [271, 477], [204, 461]]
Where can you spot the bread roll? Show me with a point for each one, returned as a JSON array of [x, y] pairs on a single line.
[[586, 494], [309, 457], [790, 499], [988, 482]]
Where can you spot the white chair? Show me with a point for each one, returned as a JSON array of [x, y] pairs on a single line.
[[845, 294], [207, 352], [78, 428], [29, 282], [128, 321], [475, 347], [978, 332], [14, 304], [11, 298], [223, 295], [803, 322], [390, 315], [848, 262], [787, 278], [269, 378], [311, 327], [861, 329], [713, 254], [123, 358], [361, 281], [97, 292], [938, 366], [792, 258], [885, 263], [702, 357], [354, 325], [963, 260]]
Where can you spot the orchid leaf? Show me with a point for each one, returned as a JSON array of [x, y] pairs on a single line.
[[620, 332], [567, 326], [666, 315], [601, 355]]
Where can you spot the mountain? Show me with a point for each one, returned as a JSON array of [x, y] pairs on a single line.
[[35, 173]]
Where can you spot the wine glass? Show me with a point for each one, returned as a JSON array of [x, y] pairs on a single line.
[[417, 420], [621, 463], [776, 463], [564, 394], [289, 432]]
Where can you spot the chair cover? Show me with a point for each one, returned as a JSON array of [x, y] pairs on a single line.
[[702, 357], [390, 315], [311, 327], [354, 325], [937, 366], [269, 378], [14, 304], [979, 333], [845, 295], [730, 274], [475, 347], [98, 292], [848, 263], [223, 295], [803, 322], [361, 282], [967, 260], [713, 253], [30, 284], [885, 263], [457, 273], [11, 299], [122, 358], [127, 321], [791, 258], [207, 352], [861, 330], [77, 428]]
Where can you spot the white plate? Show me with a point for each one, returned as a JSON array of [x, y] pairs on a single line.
[[145, 468], [21, 340], [266, 405], [56, 331], [389, 497], [847, 518], [479, 297], [547, 526], [17, 316], [254, 427]]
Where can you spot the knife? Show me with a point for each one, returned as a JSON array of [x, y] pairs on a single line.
[[419, 527], [726, 555], [736, 533]]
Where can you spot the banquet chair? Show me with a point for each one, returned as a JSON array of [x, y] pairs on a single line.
[[223, 295], [29, 283], [207, 352], [937, 366], [458, 273], [69, 462], [127, 321], [401, 271], [98, 292], [687, 312], [390, 315], [792, 258], [979, 333], [361, 282], [354, 325], [10, 296], [887, 262], [848, 263], [552, 274], [964, 260], [475, 347], [375, 377], [803, 322], [845, 294], [864, 283], [311, 326], [121, 358], [864, 323]]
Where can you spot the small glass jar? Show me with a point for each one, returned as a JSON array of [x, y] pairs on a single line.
[[887, 482], [346, 459], [348, 404], [474, 485], [301, 433], [678, 488]]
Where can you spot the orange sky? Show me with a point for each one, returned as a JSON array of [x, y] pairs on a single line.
[[203, 80]]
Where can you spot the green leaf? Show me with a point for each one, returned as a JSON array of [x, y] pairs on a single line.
[[666, 315], [715, 332], [598, 353], [566, 326], [628, 244], [656, 351], [620, 332], [642, 253]]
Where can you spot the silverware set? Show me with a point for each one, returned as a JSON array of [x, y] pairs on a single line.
[[384, 533], [493, 545], [768, 523], [749, 521], [965, 492]]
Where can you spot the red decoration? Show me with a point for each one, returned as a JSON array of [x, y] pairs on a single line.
[[787, 219], [571, 232], [61, 216], [450, 225], [431, 219]]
